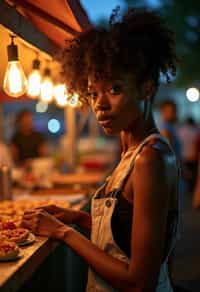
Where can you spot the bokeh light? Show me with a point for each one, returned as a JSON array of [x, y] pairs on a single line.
[[41, 107], [192, 94], [53, 126]]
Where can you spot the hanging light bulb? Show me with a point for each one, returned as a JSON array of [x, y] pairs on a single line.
[[46, 88], [74, 101], [15, 82], [60, 95], [34, 80]]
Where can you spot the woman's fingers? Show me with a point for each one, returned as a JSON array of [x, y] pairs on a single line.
[[48, 208], [27, 224], [31, 224], [31, 220], [40, 222], [32, 211], [32, 214]]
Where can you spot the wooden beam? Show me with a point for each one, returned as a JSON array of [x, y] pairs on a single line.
[[17, 23], [44, 15]]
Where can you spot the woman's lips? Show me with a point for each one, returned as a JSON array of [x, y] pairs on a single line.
[[105, 122]]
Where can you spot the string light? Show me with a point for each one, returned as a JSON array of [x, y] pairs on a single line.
[[46, 88], [34, 80], [15, 82], [60, 95]]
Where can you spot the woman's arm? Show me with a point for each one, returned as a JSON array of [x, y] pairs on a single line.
[[83, 219], [151, 183]]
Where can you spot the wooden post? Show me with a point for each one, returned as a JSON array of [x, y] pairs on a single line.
[[71, 136], [1, 123], [93, 126]]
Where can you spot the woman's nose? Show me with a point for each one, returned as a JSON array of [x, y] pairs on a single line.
[[102, 102]]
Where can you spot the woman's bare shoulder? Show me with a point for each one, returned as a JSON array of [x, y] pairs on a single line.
[[156, 164], [157, 152]]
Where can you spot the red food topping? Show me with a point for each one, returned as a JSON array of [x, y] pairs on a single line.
[[8, 225]]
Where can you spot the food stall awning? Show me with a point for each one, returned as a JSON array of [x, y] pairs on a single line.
[[59, 20], [45, 25], [35, 20]]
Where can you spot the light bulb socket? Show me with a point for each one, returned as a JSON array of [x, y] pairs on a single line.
[[12, 51], [36, 64], [47, 72]]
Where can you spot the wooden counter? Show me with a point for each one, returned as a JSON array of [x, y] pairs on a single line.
[[13, 274]]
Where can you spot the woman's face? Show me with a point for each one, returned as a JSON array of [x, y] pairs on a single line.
[[117, 105]]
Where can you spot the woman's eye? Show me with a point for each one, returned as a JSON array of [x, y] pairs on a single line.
[[92, 94], [116, 89]]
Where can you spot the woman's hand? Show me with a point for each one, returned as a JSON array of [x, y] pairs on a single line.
[[42, 223], [65, 215], [69, 216]]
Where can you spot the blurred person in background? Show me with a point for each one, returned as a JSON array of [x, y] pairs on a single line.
[[168, 111], [196, 197], [27, 143], [188, 133], [5, 155]]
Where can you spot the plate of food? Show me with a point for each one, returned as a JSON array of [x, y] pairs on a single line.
[[20, 236], [29, 240], [9, 251]]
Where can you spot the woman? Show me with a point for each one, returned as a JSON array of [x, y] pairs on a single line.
[[134, 214]]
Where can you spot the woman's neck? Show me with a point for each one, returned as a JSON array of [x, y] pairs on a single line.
[[133, 136]]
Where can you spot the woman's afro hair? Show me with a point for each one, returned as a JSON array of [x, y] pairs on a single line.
[[139, 43]]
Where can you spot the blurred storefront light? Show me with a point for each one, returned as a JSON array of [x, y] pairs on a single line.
[[192, 94]]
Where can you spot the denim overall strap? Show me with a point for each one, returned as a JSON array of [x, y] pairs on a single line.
[[130, 164]]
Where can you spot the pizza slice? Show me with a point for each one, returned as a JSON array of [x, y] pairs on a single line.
[[17, 235], [8, 250]]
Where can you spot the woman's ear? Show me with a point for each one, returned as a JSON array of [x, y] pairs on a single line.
[[148, 89]]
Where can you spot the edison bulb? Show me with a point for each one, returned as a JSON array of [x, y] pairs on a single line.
[[15, 82], [60, 95], [46, 90], [34, 82]]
